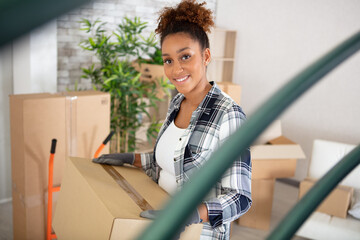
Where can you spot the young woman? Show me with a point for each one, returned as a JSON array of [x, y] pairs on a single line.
[[199, 120]]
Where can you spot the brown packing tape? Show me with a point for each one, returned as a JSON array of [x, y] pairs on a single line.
[[133, 194]]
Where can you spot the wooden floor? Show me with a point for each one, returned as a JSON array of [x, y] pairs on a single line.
[[285, 197]]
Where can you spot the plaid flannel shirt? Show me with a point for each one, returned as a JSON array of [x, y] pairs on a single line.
[[215, 119]]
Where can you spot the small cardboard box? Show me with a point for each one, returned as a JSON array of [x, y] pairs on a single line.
[[336, 203], [78, 120], [259, 214], [273, 156], [231, 89], [104, 202]]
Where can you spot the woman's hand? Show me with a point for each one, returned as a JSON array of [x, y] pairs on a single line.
[[117, 159]]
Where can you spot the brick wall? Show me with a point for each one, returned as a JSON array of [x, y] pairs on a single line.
[[71, 57]]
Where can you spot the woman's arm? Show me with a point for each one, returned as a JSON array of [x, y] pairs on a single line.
[[137, 161], [203, 212], [234, 195]]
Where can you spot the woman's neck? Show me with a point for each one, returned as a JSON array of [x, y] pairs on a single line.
[[194, 98]]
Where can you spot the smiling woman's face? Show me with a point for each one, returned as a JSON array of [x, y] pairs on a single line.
[[185, 62]]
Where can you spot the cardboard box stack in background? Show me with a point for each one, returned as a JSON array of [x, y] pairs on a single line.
[[273, 156], [331, 219], [231, 89], [336, 203], [105, 202], [325, 155], [151, 73], [79, 121]]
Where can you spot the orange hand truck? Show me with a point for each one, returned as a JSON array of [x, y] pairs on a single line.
[[107, 139], [52, 189]]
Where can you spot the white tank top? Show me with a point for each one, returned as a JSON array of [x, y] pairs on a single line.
[[164, 154]]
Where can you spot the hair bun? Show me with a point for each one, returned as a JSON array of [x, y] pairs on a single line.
[[186, 11]]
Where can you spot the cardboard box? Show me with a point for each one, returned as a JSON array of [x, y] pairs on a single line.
[[78, 120], [273, 155], [271, 158], [259, 214], [231, 89], [336, 203], [104, 202], [151, 73], [277, 159]]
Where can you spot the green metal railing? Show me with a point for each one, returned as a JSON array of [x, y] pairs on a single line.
[[20, 16]]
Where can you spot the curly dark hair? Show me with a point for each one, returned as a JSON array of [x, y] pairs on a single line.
[[188, 17]]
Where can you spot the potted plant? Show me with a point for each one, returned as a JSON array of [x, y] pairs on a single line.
[[115, 73]]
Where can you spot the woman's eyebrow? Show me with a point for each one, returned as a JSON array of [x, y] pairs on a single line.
[[178, 51], [182, 49]]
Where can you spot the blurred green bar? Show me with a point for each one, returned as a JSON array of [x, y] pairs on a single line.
[[302, 210], [18, 17], [183, 203]]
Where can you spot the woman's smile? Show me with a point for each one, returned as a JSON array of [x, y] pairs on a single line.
[[182, 79]]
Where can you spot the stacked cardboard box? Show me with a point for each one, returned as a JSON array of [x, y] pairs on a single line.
[[337, 203], [105, 202], [275, 158], [78, 120], [151, 73], [232, 89]]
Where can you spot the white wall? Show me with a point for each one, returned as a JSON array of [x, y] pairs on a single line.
[[28, 65], [5, 90], [35, 61], [278, 38]]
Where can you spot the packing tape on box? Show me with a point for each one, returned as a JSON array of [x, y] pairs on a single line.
[[125, 185], [71, 108]]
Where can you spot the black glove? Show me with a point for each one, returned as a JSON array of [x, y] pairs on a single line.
[[117, 159]]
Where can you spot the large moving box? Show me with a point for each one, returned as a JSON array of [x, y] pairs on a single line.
[[273, 156], [79, 121], [104, 202]]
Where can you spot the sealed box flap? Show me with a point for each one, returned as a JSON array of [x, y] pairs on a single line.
[[129, 229], [281, 151], [113, 196]]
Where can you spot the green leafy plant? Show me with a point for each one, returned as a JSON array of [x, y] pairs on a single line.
[[154, 58], [131, 98]]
